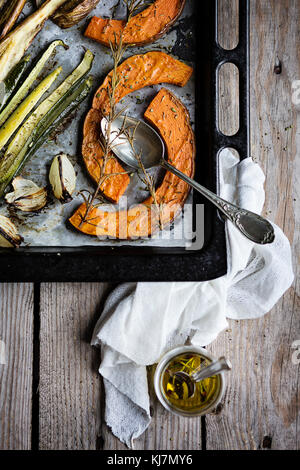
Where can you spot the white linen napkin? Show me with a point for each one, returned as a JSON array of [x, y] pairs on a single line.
[[141, 321]]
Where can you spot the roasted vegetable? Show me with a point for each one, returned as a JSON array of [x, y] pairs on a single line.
[[143, 28], [9, 237], [73, 11], [9, 15], [171, 119], [24, 133], [62, 178], [27, 196], [8, 87], [13, 122], [46, 128], [143, 70], [134, 73], [15, 44], [25, 87]]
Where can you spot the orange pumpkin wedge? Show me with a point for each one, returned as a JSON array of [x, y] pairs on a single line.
[[143, 28], [170, 117], [134, 73]]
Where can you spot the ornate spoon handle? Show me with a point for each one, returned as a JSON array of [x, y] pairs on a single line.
[[252, 225]]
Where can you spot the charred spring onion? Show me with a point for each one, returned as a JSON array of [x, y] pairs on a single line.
[[14, 121], [24, 89]]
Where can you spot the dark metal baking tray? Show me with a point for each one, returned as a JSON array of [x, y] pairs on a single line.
[[128, 263]]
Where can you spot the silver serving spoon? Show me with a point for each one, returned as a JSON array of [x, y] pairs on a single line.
[[199, 374], [152, 148]]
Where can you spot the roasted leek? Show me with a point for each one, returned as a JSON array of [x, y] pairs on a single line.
[[14, 121], [15, 44], [9, 15], [45, 129], [12, 80], [27, 128], [24, 89]]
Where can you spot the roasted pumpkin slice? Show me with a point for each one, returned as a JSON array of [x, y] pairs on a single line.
[[143, 28], [134, 73], [92, 153], [141, 70], [170, 117]]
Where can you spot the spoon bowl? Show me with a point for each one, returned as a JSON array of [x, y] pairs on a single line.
[[147, 142], [183, 379]]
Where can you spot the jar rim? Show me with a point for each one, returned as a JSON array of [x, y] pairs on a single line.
[[165, 359]]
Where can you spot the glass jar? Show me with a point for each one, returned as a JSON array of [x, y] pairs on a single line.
[[208, 392]]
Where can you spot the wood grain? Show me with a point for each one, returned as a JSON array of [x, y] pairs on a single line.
[[228, 82], [166, 431], [262, 404], [16, 331], [70, 387], [261, 407], [228, 25]]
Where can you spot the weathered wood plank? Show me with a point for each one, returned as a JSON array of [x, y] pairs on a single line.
[[16, 332], [263, 398], [70, 386], [71, 403], [166, 431]]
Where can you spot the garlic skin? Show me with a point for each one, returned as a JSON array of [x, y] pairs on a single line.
[[62, 178], [9, 237], [27, 196]]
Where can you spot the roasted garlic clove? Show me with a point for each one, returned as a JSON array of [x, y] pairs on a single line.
[[27, 196], [9, 237], [62, 178]]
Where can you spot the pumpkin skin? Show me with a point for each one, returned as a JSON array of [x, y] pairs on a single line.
[[171, 119], [143, 28], [134, 73]]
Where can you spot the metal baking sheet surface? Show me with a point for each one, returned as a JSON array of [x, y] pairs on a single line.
[[50, 227]]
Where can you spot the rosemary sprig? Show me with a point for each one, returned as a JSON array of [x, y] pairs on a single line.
[[146, 179], [117, 51], [134, 5], [114, 8]]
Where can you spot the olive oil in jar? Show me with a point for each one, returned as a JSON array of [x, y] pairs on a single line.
[[176, 392]]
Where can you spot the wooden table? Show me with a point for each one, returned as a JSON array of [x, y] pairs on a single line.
[[51, 394]]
